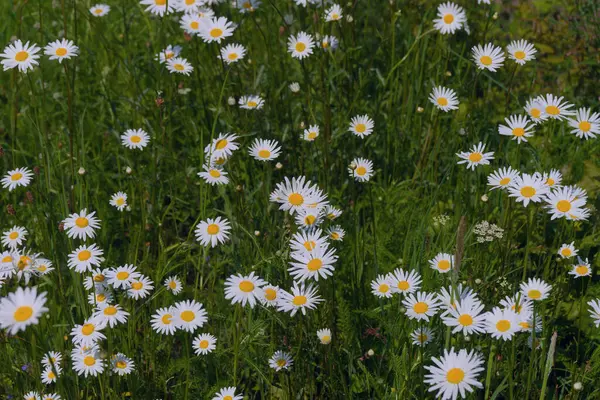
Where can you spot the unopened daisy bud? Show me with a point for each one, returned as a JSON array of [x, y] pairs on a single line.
[[419, 109], [128, 208], [349, 18], [370, 353], [578, 386], [294, 87], [239, 188], [478, 281], [81, 171], [302, 125], [128, 170], [484, 198], [231, 101], [448, 73], [495, 16], [279, 165], [256, 233]]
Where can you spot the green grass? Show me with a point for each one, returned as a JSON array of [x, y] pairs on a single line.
[[58, 119]]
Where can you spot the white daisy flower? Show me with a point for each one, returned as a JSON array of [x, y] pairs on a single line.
[[314, 264], [361, 126], [403, 281], [334, 13], [227, 393], [567, 250], [135, 139], [251, 102], [89, 363], [329, 42], [214, 175], [246, 6], [204, 343], [361, 169], [311, 133], [502, 323], [324, 336], [301, 45], [162, 321], [521, 51], [21, 56], [381, 286], [475, 156], [528, 188], [81, 225], [422, 336], [556, 108], [270, 295], [173, 283], [308, 240], [189, 315], [223, 146], [595, 311], [85, 258], [454, 374], [467, 316], [233, 53], [517, 127], [502, 178], [442, 262], [110, 314], [168, 53], [301, 298], [535, 289], [336, 233], [450, 18], [99, 10], [264, 150], [581, 269], [16, 177], [88, 333], [297, 194], [585, 124], [119, 200], [159, 7], [552, 179], [121, 364], [22, 308], [122, 276], [444, 98], [281, 360], [61, 50], [420, 305], [488, 57], [52, 358], [309, 218], [535, 110], [140, 288], [216, 29], [563, 202], [190, 23], [178, 65], [244, 289], [213, 231], [14, 237]]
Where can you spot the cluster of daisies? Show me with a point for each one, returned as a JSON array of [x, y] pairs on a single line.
[[25, 56], [17, 261]]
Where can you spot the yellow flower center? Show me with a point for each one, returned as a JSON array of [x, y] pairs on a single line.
[[13, 235], [252, 104], [89, 361], [486, 60], [212, 229], [247, 5], [221, 144], [403, 285], [315, 264], [120, 201], [361, 171], [61, 51], [51, 375], [581, 270], [585, 126], [137, 285], [552, 110], [110, 310], [7, 259], [173, 284], [300, 47], [194, 25], [88, 329], [518, 132], [122, 275], [360, 128], [203, 344], [566, 252], [160, 2], [310, 245], [190, 2], [98, 11], [82, 222], [442, 101], [227, 398], [16, 176], [246, 286], [383, 288], [312, 135], [121, 364], [23, 313], [448, 18], [563, 205], [534, 294], [296, 199], [535, 112], [528, 191], [455, 376], [270, 294], [166, 319], [84, 255], [281, 362], [422, 338], [264, 154], [475, 157], [326, 339], [335, 235], [421, 307], [216, 32], [520, 55], [444, 265], [187, 315], [100, 297], [179, 67], [21, 56], [503, 325], [232, 56], [504, 181], [299, 300], [98, 278], [524, 325], [215, 174], [465, 320], [310, 219]]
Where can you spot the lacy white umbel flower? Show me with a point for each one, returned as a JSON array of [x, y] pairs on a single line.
[[189, 315], [179, 65], [251, 102], [567, 250], [14, 237], [362, 126], [301, 45], [454, 374], [502, 178], [476, 156], [216, 29], [16, 177], [521, 51], [213, 231], [535, 110], [488, 57], [204, 343], [264, 150], [301, 298], [81, 225], [135, 139], [21, 56], [420, 305], [99, 10], [21, 308], [244, 289], [450, 18], [61, 50], [361, 169], [443, 98], [517, 127], [535, 289], [527, 188], [585, 124], [233, 53], [281, 360], [556, 108]]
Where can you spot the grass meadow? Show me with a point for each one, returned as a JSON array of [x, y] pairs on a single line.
[[285, 199]]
